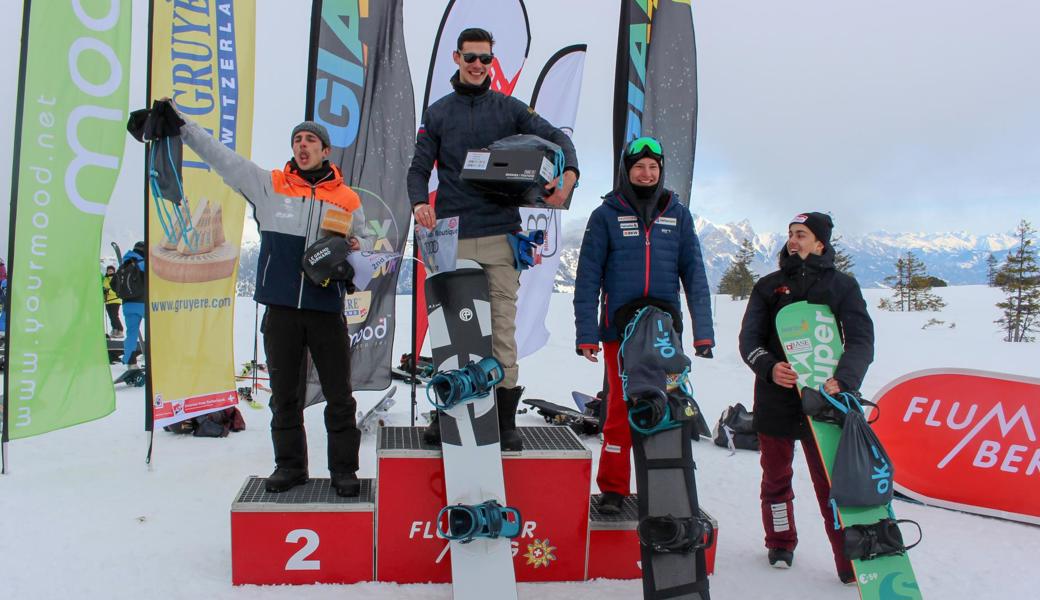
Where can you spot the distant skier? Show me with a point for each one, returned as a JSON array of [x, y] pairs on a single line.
[[133, 310], [638, 246], [112, 302], [304, 205], [474, 116], [806, 273]]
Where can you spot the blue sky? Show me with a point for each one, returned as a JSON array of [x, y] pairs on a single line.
[[896, 115]]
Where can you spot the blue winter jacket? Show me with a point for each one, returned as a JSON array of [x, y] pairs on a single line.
[[623, 260]]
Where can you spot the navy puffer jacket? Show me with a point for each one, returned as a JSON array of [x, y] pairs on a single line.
[[623, 260]]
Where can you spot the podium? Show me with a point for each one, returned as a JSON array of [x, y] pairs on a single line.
[[548, 482], [388, 533], [614, 543], [302, 536]]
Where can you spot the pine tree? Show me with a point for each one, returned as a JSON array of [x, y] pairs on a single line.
[[992, 268], [912, 287], [738, 280], [1020, 281], [842, 260]]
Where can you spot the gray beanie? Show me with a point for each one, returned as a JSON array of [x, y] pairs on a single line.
[[316, 128]]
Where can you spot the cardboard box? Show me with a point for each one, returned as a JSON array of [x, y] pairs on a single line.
[[513, 177]]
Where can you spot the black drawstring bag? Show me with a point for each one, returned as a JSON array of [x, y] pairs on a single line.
[[735, 429], [862, 472]]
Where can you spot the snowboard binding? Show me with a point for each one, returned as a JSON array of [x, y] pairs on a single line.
[[464, 523], [672, 534], [655, 411], [866, 542], [825, 408], [475, 380]]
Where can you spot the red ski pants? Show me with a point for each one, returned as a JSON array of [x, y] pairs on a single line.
[[778, 496], [615, 463]]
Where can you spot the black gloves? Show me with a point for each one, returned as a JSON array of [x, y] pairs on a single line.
[[159, 121], [703, 352]]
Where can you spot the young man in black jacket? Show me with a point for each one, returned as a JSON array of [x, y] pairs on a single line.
[[806, 273], [474, 116]]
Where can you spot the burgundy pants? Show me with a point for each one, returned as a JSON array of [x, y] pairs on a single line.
[[615, 463], [778, 496]]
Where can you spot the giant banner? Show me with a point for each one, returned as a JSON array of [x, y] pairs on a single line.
[[202, 57], [555, 96], [655, 84], [360, 89], [965, 439], [69, 138]]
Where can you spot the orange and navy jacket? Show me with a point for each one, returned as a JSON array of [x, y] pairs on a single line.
[[289, 212]]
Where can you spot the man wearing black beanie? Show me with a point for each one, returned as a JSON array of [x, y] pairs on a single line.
[[806, 273]]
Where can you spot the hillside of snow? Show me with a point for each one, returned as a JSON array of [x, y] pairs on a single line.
[[84, 517]]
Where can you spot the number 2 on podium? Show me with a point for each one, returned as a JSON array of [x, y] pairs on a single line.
[[299, 561]]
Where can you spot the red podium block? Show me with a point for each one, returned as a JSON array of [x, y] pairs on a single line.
[[548, 482], [303, 536], [614, 544]]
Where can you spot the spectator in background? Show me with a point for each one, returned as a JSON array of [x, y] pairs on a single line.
[[112, 303], [133, 310]]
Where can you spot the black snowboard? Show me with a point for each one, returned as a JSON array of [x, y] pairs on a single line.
[[555, 414]]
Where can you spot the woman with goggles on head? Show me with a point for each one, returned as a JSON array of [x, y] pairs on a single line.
[[638, 246]]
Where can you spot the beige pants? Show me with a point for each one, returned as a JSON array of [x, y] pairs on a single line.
[[494, 254]]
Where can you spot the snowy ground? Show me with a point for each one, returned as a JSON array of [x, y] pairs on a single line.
[[84, 517]]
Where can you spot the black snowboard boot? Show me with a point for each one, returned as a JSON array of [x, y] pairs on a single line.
[[508, 399], [284, 479], [432, 434], [780, 558], [346, 484], [610, 503]]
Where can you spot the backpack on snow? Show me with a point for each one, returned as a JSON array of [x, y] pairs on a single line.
[[735, 431], [129, 282]]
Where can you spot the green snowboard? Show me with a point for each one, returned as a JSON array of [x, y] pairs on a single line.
[[809, 334]]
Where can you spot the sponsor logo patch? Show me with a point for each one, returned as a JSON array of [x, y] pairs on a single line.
[[629, 225], [630, 232], [800, 219], [627, 218], [798, 346], [667, 221]]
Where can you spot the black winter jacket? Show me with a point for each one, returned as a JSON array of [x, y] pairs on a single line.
[[777, 410], [466, 119]]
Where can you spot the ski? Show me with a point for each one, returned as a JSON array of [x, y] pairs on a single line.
[[812, 344]]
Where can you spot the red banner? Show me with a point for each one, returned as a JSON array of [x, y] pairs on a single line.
[[965, 440]]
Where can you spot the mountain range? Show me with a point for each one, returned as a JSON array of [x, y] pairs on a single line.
[[959, 258]]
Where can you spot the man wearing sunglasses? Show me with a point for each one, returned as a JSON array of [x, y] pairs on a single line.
[[474, 116]]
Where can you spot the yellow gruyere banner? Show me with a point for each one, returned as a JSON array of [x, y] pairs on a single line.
[[203, 58]]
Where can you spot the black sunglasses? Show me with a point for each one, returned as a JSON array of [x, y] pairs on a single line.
[[485, 59]]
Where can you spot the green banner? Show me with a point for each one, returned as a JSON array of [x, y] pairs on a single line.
[[69, 138]]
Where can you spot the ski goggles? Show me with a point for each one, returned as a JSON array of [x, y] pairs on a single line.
[[646, 145], [485, 59]]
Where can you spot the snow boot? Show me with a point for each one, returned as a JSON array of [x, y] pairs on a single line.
[[610, 503], [432, 434], [508, 399], [346, 484], [780, 558], [284, 479]]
